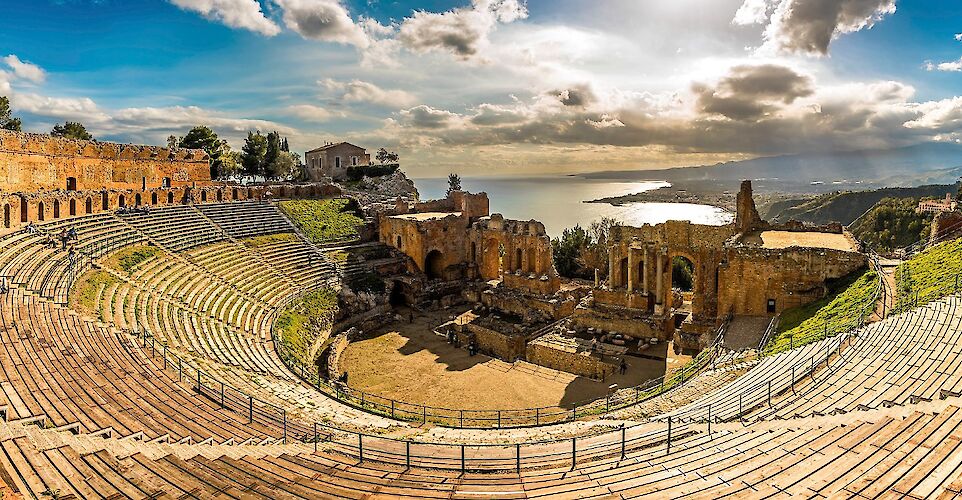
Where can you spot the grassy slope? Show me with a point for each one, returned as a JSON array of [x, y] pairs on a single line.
[[128, 259], [307, 320], [83, 294], [848, 298], [259, 241], [930, 274], [324, 221]]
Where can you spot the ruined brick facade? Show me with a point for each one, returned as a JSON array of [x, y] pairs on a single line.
[[34, 162]]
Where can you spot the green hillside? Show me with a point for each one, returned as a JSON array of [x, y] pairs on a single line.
[[930, 274], [846, 206], [892, 223]]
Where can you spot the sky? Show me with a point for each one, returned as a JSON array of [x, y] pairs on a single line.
[[497, 87]]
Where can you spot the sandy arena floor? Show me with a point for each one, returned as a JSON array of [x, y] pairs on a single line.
[[408, 362], [785, 239]]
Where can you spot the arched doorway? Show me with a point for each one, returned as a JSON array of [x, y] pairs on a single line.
[[682, 274], [137, 200], [73, 207], [434, 265], [6, 215], [121, 202], [71, 183], [398, 298], [398, 242], [519, 259], [153, 198], [23, 209], [220, 195], [89, 206], [170, 197], [104, 201], [40, 210], [56, 209], [233, 194], [203, 196], [474, 252]]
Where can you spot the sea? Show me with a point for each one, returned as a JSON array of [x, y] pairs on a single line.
[[559, 202]]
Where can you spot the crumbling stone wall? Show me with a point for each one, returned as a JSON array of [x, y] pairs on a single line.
[[33, 162]]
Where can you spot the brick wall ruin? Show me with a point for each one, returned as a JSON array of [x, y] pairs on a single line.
[[34, 162]]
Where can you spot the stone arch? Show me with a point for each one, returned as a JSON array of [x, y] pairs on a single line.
[[532, 261], [104, 202], [56, 209], [40, 210], [203, 196], [234, 193], [71, 183], [170, 196], [683, 271], [250, 193], [137, 200], [220, 195], [6, 215], [623, 272], [121, 202], [89, 205], [153, 198], [434, 265], [519, 259], [73, 207], [23, 209], [399, 241]]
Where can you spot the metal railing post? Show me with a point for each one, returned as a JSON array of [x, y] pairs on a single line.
[[574, 453], [250, 411], [360, 446], [315, 437], [739, 405], [623, 432], [285, 426], [668, 449], [517, 456], [462, 459], [709, 422], [769, 393], [407, 454]]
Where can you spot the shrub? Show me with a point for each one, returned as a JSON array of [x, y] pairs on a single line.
[[358, 172]]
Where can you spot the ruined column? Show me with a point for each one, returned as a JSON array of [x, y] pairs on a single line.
[[644, 272], [611, 267], [659, 271], [631, 271], [597, 277]]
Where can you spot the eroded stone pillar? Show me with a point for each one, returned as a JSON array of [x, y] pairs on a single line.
[[611, 267], [631, 270], [659, 278], [644, 270]]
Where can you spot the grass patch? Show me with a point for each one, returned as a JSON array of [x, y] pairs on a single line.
[[839, 311], [307, 323], [128, 259], [930, 274], [83, 295], [325, 221], [269, 239]]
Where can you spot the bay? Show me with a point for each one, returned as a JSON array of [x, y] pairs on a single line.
[[558, 202]]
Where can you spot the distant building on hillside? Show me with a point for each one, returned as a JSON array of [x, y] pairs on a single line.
[[937, 206], [332, 160]]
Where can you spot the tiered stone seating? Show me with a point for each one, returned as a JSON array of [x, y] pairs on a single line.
[[296, 259], [75, 371], [244, 219], [176, 227], [912, 357], [235, 263], [917, 455]]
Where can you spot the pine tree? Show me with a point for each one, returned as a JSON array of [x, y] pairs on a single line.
[[7, 121], [71, 130], [253, 153]]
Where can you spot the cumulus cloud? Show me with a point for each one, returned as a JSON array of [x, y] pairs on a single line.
[[749, 111], [243, 14], [312, 113], [461, 31], [751, 92], [367, 92], [809, 26], [949, 66], [25, 70], [577, 95], [324, 20]]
